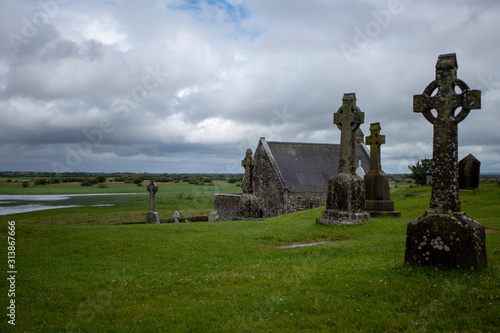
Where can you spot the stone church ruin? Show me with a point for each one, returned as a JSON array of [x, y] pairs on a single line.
[[282, 178]]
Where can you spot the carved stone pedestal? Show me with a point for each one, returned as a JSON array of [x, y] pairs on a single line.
[[345, 202], [448, 240], [152, 217], [378, 202]]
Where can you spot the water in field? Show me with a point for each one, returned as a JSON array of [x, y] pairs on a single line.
[[14, 203]]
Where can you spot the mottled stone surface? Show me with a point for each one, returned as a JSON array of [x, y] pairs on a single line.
[[448, 240], [152, 217], [348, 118], [345, 201], [226, 206], [152, 189], [432, 238], [468, 173], [248, 207], [445, 145], [377, 190], [249, 164]]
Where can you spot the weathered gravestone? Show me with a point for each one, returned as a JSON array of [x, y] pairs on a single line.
[[377, 190], [468, 173], [346, 191], [176, 217], [248, 206], [445, 236], [152, 216]]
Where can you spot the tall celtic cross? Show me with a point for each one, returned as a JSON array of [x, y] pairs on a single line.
[[375, 140], [249, 164], [348, 118], [446, 102], [152, 189]]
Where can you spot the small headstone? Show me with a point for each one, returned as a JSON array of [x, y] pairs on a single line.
[[345, 202], [445, 236], [377, 189], [152, 216], [214, 216], [177, 216], [468, 173], [249, 164]]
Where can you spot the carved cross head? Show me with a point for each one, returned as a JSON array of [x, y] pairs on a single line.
[[375, 139], [152, 187], [452, 94], [348, 117]]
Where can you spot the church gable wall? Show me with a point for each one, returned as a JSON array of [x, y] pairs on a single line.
[[266, 184]]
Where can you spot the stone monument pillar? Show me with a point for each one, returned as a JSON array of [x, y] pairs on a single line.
[[346, 191], [377, 191], [248, 206], [249, 164], [152, 216], [445, 236]]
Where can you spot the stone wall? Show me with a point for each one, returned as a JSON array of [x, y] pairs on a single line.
[[227, 206], [296, 201]]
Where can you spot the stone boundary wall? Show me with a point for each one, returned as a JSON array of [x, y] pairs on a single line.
[[227, 206]]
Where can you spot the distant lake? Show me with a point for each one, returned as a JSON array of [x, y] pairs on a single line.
[[18, 203]]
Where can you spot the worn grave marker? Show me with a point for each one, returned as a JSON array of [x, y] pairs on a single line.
[[377, 190], [152, 216], [346, 193], [445, 236], [249, 164]]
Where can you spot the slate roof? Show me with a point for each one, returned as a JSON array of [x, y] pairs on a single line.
[[308, 166]]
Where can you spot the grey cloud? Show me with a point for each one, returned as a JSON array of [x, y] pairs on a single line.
[[270, 69]]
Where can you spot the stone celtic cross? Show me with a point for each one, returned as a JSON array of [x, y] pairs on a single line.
[[152, 189], [348, 119], [375, 140], [249, 164], [446, 102]]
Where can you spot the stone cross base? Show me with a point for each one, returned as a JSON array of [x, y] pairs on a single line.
[[248, 207], [152, 217], [345, 202], [381, 208], [341, 217], [377, 194], [447, 240]]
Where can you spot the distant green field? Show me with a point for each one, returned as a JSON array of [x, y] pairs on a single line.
[[78, 271], [189, 200]]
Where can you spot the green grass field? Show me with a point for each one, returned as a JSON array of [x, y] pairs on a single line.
[[80, 271]]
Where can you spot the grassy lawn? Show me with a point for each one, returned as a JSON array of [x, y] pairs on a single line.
[[78, 271]]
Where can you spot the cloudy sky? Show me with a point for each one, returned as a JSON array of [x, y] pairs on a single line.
[[188, 85]]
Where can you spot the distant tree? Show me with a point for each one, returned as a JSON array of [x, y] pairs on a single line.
[[26, 183], [137, 181], [86, 183], [41, 181], [420, 170], [101, 179]]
